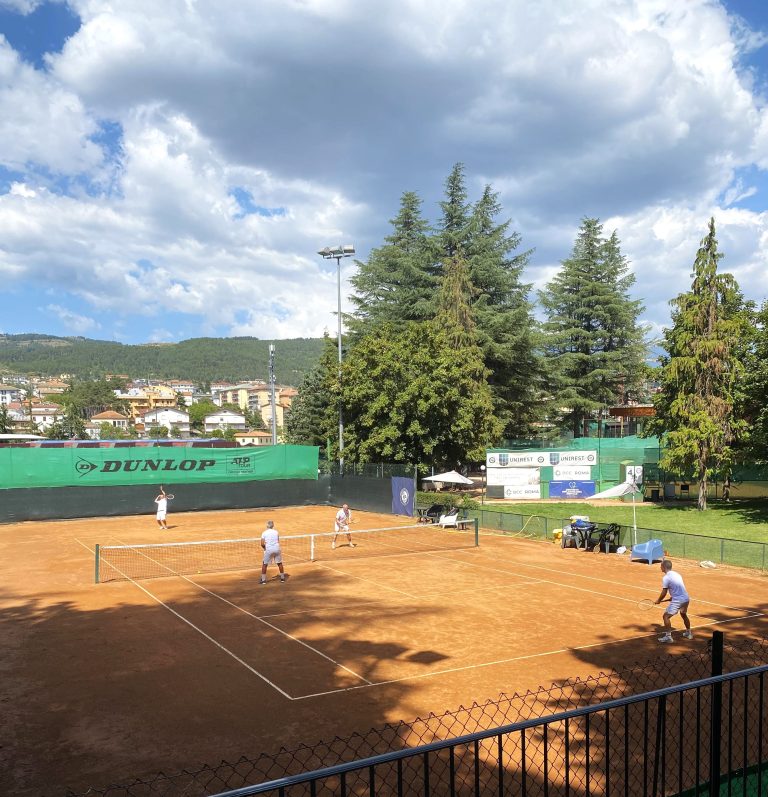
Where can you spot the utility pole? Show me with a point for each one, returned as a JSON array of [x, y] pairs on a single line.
[[272, 391]]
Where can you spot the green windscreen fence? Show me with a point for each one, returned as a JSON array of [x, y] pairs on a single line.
[[73, 467]]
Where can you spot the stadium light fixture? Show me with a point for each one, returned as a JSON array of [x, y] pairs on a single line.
[[337, 253]]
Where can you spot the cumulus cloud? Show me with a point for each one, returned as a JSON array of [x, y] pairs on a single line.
[[79, 324], [640, 113]]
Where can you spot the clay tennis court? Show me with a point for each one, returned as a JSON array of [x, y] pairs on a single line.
[[106, 682]]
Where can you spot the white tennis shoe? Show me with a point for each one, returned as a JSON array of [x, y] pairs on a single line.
[[352, 545], [333, 545], [688, 634], [665, 638]]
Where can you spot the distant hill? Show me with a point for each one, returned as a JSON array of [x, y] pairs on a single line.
[[198, 359]]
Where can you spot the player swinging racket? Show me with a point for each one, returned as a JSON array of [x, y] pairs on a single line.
[[270, 542], [341, 525], [672, 583], [162, 509]]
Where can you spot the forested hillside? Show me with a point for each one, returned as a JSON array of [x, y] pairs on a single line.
[[198, 359]]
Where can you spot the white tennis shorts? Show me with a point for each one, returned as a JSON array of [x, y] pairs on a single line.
[[342, 528], [273, 555], [161, 514], [675, 606]]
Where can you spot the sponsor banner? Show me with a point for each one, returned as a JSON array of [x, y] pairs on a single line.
[[66, 467], [571, 489], [512, 476], [402, 496], [525, 491], [562, 473], [523, 459]]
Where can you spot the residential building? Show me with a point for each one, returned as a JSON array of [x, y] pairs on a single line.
[[224, 419], [50, 387], [254, 437], [116, 419], [168, 417], [140, 400], [9, 394], [44, 415]]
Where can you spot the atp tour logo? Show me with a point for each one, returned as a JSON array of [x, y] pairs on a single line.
[[84, 467], [404, 496]]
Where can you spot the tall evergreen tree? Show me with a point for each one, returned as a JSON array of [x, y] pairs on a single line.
[[592, 340], [397, 283], [756, 388], [505, 327], [454, 308], [696, 408], [453, 227]]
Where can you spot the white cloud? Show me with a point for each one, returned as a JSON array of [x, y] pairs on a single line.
[[637, 112], [79, 324]]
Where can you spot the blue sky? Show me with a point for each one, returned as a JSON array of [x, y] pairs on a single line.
[[169, 170]]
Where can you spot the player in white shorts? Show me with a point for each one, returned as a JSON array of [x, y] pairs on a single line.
[[270, 542], [341, 525], [672, 585], [162, 509]]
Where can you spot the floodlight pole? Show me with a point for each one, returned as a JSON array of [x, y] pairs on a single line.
[[482, 494], [272, 391], [337, 253]]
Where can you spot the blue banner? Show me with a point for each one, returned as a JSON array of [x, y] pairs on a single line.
[[571, 489], [403, 494]]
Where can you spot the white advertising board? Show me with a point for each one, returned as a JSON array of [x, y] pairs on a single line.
[[516, 477], [569, 472], [528, 459], [522, 491], [634, 474]]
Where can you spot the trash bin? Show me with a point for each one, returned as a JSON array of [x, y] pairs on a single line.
[[557, 536]]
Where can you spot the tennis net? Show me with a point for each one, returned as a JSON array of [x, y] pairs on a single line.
[[134, 562]]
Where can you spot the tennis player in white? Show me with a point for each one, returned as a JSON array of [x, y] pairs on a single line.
[[162, 509], [270, 542], [672, 584], [341, 525]]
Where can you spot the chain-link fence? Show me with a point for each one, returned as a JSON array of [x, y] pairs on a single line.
[[697, 547], [562, 696]]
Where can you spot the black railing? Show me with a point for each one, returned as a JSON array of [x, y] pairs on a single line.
[[663, 742]]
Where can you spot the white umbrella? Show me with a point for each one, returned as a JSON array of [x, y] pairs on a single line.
[[625, 488], [451, 477]]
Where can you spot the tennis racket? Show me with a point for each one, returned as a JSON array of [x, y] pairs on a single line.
[[170, 496], [646, 603]]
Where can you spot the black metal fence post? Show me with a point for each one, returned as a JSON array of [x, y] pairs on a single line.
[[715, 734]]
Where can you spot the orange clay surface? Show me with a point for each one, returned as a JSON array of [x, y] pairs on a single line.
[[100, 683]]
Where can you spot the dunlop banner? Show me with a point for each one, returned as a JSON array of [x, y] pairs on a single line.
[[66, 467]]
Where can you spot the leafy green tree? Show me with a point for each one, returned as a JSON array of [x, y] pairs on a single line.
[[411, 396], [70, 427], [313, 417], [175, 431], [398, 281], [198, 411], [90, 397], [229, 434], [157, 431], [756, 388], [592, 341], [6, 425], [701, 371]]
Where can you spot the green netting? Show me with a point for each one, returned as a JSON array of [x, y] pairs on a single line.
[[69, 467]]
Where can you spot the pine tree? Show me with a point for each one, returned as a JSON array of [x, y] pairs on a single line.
[[756, 387], [593, 343], [696, 408], [454, 308], [398, 281], [505, 327]]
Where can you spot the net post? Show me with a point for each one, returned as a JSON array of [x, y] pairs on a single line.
[[477, 532], [311, 547], [98, 547]]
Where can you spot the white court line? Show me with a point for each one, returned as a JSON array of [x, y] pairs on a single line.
[[421, 676], [631, 586], [207, 636]]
